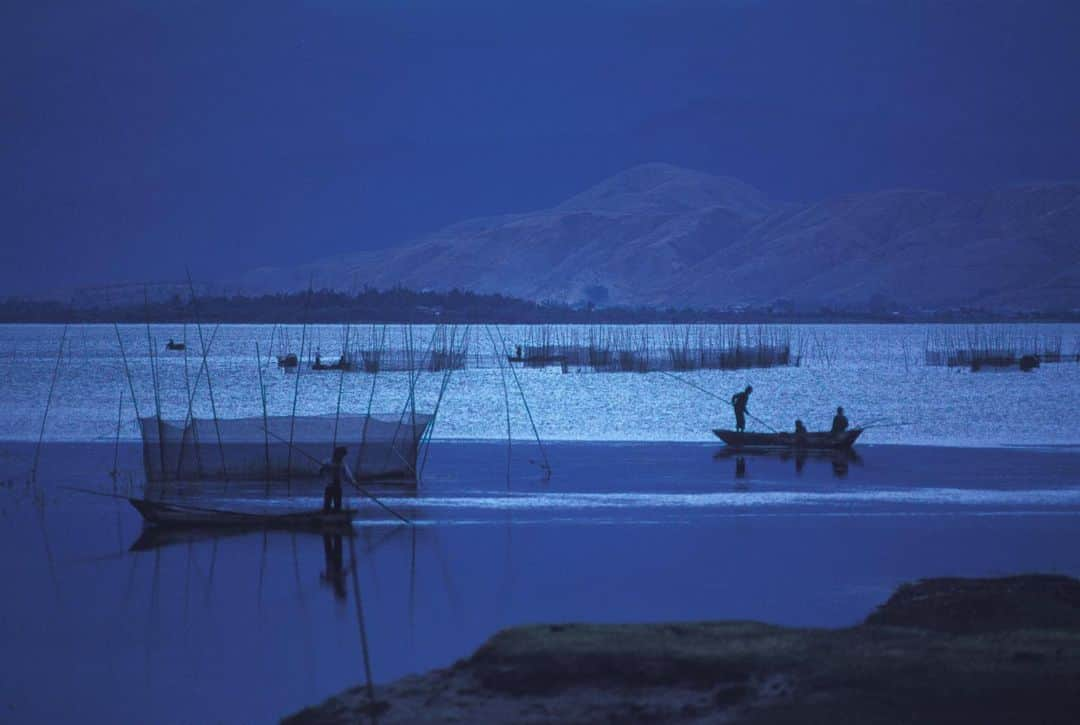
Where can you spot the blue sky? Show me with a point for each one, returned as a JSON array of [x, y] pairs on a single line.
[[140, 137]]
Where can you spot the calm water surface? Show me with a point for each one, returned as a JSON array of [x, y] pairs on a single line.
[[102, 622], [875, 371]]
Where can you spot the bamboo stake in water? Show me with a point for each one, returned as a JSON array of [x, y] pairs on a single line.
[[154, 381], [341, 383], [370, 685], [438, 402], [127, 373], [48, 403], [190, 415], [296, 392], [371, 399], [528, 412], [266, 422], [209, 383], [506, 404], [116, 450]]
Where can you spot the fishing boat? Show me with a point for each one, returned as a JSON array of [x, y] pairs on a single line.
[[175, 346], [160, 513], [815, 441], [288, 361]]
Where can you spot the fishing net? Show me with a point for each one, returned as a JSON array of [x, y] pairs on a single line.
[[280, 447]]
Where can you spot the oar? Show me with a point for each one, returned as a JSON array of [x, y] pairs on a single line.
[[359, 488], [718, 397]]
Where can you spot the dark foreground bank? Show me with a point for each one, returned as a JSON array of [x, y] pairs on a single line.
[[941, 650]]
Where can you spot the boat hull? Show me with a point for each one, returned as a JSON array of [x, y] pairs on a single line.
[[159, 513], [818, 441]]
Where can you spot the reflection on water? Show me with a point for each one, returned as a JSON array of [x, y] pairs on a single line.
[[102, 617], [839, 460]]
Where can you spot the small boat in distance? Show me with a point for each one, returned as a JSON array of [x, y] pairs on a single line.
[[173, 345], [160, 513], [816, 441], [288, 361]]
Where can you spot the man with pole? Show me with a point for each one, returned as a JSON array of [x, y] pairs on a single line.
[[739, 401], [334, 470]]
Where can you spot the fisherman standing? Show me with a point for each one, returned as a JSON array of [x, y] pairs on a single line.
[[839, 422], [739, 401], [335, 470]]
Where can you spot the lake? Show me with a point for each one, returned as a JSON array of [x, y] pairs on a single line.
[[875, 371], [644, 518]]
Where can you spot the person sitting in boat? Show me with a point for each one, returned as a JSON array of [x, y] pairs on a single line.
[[800, 433], [335, 470], [839, 422], [739, 401]]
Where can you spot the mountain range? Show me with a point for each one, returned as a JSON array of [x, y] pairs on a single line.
[[658, 234]]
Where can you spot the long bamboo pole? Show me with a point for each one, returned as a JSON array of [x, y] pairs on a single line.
[[48, 404], [438, 402], [154, 382], [358, 487], [525, 402], [371, 399], [296, 392], [369, 683], [116, 449], [341, 383], [190, 415], [266, 422], [209, 382]]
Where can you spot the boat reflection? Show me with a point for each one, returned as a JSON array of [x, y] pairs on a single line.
[[334, 573], [840, 460]]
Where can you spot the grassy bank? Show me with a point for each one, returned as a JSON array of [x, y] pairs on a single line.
[[942, 650]]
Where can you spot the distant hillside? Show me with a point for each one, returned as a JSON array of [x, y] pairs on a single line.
[[661, 235]]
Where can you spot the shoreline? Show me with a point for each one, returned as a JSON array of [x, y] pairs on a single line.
[[949, 649]]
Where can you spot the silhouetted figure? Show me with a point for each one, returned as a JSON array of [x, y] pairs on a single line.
[[335, 566], [739, 401], [839, 422], [335, 470], [800, 433]]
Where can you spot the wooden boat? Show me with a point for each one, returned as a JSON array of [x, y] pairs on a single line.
[[160, 513], [170, 345], [287, 361], [814, 441]]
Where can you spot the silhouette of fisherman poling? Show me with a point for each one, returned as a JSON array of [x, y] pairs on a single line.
[[839, 422], [334, 470], [739, 401]]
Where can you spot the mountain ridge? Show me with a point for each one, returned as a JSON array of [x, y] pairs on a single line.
[[658, 234]]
